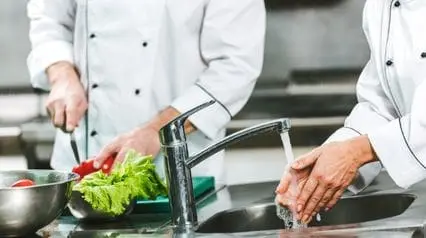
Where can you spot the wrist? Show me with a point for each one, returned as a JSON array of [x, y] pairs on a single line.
[[364, 150], [166, 116], [163, 118], [61, 71]]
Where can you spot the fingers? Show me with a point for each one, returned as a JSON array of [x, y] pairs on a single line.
[[56, 112], [326, 198], [65, 115], [71, 117], [335, 199], [306, 193], [106, 152], [306, 160], [120, 157], [286, 200], [313, 202], [74, 113], [284, 183]]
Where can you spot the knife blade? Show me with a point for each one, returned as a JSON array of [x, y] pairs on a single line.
[[74, 147]]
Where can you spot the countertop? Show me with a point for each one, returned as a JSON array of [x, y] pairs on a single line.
[[408, 224]]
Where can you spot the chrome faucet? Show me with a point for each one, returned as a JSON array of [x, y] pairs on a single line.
[[179, 163]]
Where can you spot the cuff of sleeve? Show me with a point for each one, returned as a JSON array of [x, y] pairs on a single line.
[[342, 134], [211, 120], [368, 172], [389, 145], [45, 55], [366, 176]]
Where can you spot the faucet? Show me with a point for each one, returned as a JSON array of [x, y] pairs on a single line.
[[178, 163]]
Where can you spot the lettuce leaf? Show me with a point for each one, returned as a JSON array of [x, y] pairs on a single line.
[[134, 178]]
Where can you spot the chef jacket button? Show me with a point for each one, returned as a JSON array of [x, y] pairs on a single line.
[[389, 62], [423, 55], [137, 91], [93, 133], [397, 4], [92, 36], [95, 85], [145, 44]]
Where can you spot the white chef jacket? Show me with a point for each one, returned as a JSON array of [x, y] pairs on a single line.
[[392, 91], [136, 57]]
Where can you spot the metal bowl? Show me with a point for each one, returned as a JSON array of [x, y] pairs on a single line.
[[83, 211], [25, 210]]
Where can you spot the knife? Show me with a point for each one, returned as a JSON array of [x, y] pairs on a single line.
[[72, 138], [74, 147]]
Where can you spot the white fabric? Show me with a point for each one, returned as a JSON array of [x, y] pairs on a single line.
[[391, 108], [175, 52]]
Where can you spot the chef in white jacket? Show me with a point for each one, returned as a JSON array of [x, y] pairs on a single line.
[[387, 125], [118, 71]]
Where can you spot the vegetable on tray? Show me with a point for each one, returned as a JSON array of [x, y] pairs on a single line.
[[111, 193]]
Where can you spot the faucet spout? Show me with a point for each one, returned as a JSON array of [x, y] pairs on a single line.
[[279, 125], [178, 162]]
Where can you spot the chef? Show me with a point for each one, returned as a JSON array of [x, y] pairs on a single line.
[[388, 125], [118, 71]]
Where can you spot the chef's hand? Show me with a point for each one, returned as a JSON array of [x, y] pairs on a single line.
[[291, 183], [145, 140], [335, 166], [66, 103]]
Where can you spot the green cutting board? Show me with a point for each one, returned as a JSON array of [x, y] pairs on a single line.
[[201, 185]]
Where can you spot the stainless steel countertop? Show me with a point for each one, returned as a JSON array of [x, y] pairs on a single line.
[[405, 225]]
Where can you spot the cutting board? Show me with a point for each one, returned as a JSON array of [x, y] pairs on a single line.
[[201, 185]]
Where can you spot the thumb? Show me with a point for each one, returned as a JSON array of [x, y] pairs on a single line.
[[306, 160], [71, 117], [105, 153], [120, 157], [284, 183]]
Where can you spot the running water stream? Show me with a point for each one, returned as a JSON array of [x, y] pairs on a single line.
[[290, 220]]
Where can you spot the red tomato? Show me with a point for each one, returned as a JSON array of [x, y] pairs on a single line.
[[23, 183], [86, 167], [106, 167]]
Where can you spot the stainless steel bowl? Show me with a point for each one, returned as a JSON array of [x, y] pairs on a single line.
[[83, 211], [25, 210]]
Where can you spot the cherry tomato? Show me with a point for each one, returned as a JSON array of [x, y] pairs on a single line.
[[23, 183]]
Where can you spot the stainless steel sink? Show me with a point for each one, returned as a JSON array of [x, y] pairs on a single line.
[[348, 210]]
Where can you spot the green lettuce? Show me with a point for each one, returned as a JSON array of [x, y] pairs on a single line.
[[136, 177]]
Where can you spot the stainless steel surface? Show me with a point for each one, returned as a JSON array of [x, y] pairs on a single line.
[[83, 211], [348, 210], [179, 164], [178, 174], [25, 210], [279, 125], [410, 223], [74, 147]]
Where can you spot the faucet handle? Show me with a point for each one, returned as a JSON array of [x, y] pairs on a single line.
[[174, 131]]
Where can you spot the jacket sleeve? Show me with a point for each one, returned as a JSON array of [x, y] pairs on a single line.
[[232, 46], [401, 145], [372, 111], [51, 35]]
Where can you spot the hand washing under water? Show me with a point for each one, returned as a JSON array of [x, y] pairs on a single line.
[[285, 214]]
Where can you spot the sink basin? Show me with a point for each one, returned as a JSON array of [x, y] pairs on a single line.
[[348, 210]]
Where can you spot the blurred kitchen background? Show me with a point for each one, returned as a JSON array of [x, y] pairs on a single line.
[[315, 51]]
